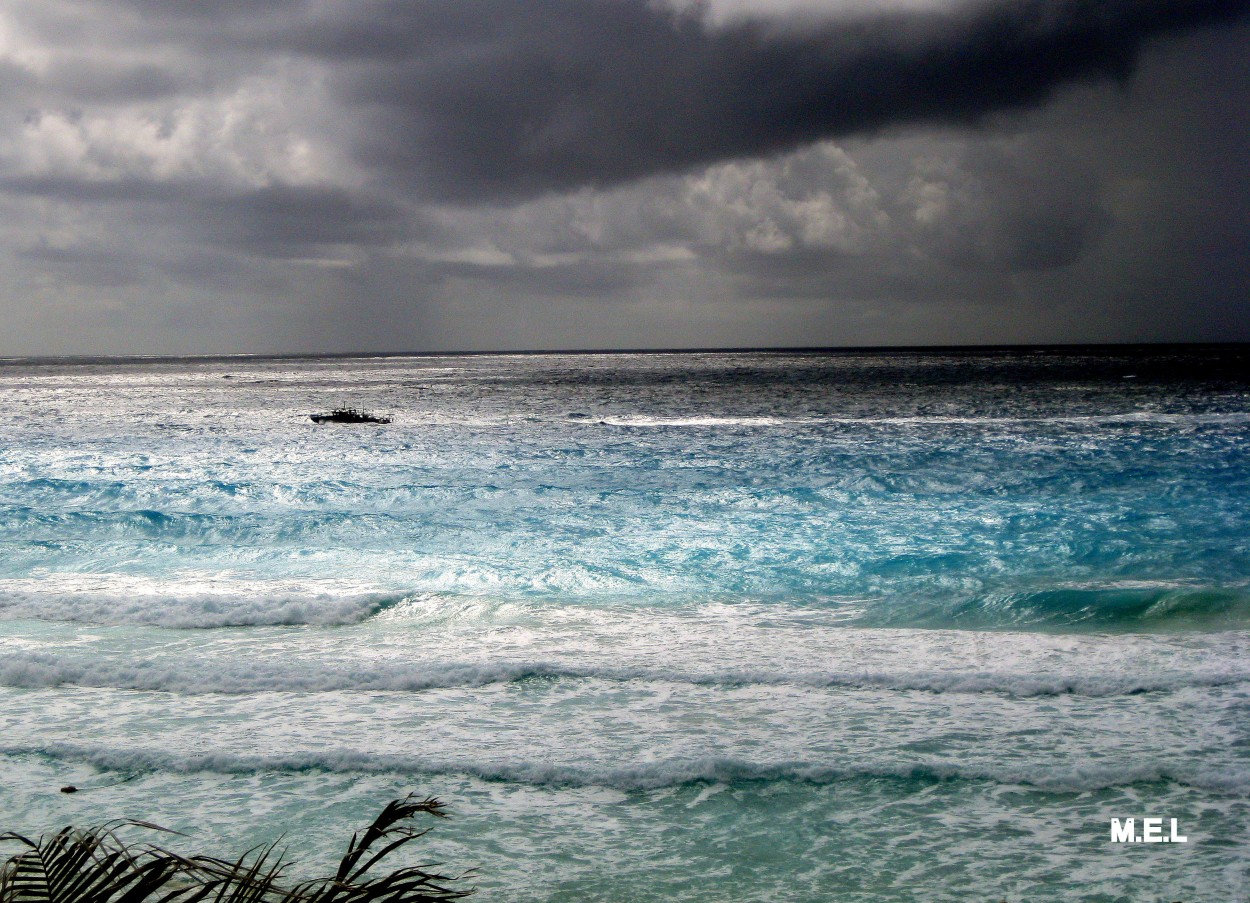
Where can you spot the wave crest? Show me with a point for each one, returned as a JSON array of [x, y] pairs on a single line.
[[192, 601], [1128, 606], [193, 675], [643, 775]]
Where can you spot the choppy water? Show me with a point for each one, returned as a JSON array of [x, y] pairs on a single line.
[[859, 626]]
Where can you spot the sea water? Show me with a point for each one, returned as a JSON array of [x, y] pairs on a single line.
[[713, 627]]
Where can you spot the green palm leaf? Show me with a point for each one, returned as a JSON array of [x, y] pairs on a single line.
[[97, 866]]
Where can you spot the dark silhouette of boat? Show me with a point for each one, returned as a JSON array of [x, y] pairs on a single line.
[[348, 415]]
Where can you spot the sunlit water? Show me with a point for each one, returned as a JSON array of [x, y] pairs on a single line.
[[703, 627]]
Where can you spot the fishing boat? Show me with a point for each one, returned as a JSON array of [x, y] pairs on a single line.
[[348, 415]]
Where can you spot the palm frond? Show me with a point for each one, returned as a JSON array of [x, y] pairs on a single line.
[[97, 866], [74, 866]]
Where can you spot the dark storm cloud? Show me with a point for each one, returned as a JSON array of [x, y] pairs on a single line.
[[286, 221], [1017, 210], [93, 266], [14, 78], [305, 174], [497, 99], [96, 82], [879, 277], [77, 190], [274, 221], [213, 9], [583, 279]]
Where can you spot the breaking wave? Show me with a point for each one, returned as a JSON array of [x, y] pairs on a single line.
[[197, 675], [1143, 606], [643, 775], [191, 602]]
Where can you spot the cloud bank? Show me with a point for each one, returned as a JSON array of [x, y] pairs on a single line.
[[498, 99], [311, 175]]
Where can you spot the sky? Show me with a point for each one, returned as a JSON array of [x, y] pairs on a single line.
[[285, 176]]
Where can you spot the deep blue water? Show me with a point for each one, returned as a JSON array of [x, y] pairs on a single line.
[[858, 625]]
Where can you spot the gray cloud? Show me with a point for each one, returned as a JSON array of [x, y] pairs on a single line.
[[1010, 208], [275, 220], [93, 81], [291, 221], [479, 174], [496, 99], [92, 265]]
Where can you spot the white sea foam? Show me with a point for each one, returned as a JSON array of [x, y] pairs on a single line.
[[190, 600], [650, 775], [193, 674], [641, 420], [1159, 418]]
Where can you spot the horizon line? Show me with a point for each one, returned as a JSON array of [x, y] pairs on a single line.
[[536, 352]]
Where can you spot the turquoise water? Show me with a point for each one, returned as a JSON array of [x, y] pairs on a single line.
[[861, 626]]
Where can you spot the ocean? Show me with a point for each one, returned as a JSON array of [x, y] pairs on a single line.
[[840, 626]]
